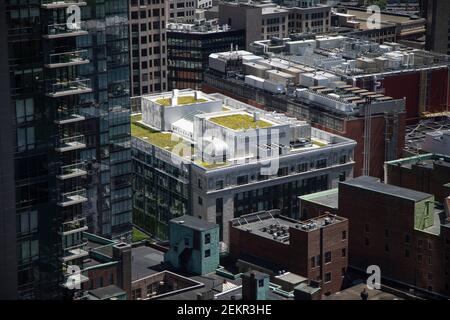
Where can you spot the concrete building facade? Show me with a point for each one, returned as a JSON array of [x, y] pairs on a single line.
[[308, 160]]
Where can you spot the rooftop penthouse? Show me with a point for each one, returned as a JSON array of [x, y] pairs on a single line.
[[212, 130]]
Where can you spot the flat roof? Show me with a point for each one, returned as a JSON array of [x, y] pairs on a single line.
[[110, 291], [328, 198], [145, 261], [194, 223], [374, 184]]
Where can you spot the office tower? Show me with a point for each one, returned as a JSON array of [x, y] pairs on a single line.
[[437, 13], [66, 157], [182, 11], [189, 47], [148, 20]]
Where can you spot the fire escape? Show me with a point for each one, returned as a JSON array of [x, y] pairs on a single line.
[[63, 90]]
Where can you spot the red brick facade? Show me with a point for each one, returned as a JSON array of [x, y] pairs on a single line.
[[298, 254]]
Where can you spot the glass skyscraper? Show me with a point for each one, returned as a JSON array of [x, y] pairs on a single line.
[[65, 139]]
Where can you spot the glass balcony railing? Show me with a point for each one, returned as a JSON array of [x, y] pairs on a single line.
[[62, 30], [72, 198], [71, 143], [67, 88], [72, 171], [54, 4], [75, 252], [58, 60], [74, 226], [65, 116]]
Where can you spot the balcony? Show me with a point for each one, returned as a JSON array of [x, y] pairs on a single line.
[[65, 116], [71, 144], [66, 59], [72, 254], [72, 198], [57, 4], [72, 171], [69, 88], [74, 226], [64, 30]]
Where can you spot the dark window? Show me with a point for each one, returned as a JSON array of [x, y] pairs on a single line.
[[327, 277], [344, 252], [207, 238], [344, 235], [328, 257], [207, 253]]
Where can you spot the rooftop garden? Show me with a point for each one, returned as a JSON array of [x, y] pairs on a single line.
[[138, 235], [208, 165], [157, 138], [184, 100], [240, 122]]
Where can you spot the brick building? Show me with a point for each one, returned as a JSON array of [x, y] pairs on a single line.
[[316, 248], [401, 230], [427, 173]]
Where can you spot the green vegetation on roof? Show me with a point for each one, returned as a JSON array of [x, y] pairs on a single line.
[[208, 165], [138, 235], [166, 102], [157, 138], [240, 122], [319, 143]]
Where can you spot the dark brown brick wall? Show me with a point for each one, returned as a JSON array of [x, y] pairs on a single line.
[[386, 221], [429, 180]]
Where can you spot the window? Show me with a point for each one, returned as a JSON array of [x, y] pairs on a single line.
[[261, 283], [242, 180], [200, 201], [327, 277], [344, 252], [407, 239], [313, 262], [207, 253], [186, 241], [366, 241], [344, 235], [328, 257], [219, 184], [207, 238], [406, 253]]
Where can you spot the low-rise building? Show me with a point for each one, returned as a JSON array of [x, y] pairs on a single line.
[[194, 245], [216, 158], [399, 230], [315, 248]]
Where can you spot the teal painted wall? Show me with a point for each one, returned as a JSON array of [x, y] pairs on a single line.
[[182, 237]]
